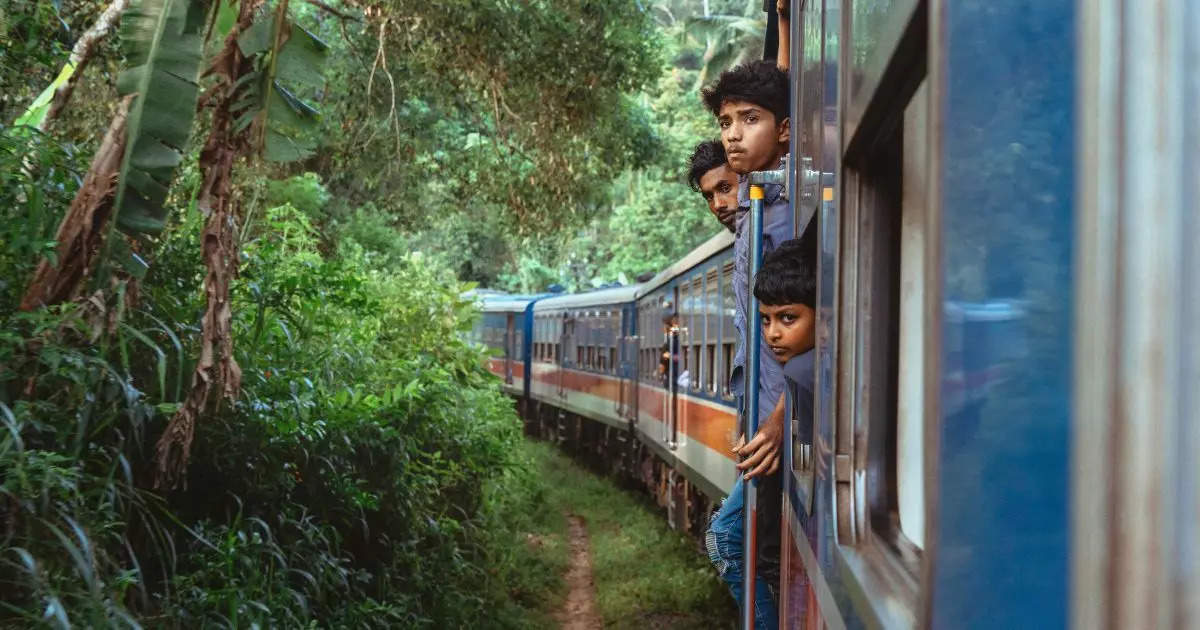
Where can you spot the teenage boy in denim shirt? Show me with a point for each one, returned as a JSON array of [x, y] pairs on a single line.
[[750, 103]]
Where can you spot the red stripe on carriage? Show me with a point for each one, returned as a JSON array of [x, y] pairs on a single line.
[[702, 422]]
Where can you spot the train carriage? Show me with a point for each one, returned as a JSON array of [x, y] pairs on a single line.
[[685, 411], [1003, 197], [504, 327], [1000, 193]]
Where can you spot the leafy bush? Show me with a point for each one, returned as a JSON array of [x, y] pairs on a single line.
[[346, 487]]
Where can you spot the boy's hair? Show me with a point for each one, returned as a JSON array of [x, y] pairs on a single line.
[[758, 82], [708, 155], [787, 276]]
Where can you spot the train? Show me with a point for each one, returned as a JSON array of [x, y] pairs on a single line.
[[1004, 201]]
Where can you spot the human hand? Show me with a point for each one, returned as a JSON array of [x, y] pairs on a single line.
[[783, 8], [762, 453]]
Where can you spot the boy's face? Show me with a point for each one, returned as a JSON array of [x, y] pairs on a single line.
[[788, 329], [719, 187], [753, 140]]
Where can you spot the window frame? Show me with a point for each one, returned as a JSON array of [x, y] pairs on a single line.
[[875, 562]]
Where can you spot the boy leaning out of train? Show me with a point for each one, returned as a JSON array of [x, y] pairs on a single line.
[[750, 104], [786, 288]]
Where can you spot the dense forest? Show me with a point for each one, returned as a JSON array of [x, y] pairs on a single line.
[[234, 239]]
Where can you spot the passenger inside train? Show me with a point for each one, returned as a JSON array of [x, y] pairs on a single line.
[[750, 103], [710, 175], [668, 362]]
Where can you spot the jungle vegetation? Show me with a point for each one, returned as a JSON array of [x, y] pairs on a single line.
[[234, 236]]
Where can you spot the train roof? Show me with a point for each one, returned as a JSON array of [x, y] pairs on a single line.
[[507, 303], [713, 246], [600, 297]]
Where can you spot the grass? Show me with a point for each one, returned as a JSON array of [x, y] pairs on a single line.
[[646, 575]]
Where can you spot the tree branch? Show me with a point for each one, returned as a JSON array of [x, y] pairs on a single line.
[[333, 11], [81, 54]]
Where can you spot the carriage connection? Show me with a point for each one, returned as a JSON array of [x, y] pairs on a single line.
[[1004, 199]]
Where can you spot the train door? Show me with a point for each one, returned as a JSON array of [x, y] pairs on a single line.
[[673, 367], [567, 345], [510, 337], [627, 352], [629, 395]]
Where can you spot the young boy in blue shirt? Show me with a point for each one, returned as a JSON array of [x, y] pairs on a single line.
[[750, 104], [786, 288]]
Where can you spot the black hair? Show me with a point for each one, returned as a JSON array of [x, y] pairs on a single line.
[[758, 82], [788, 275], [708, 155]]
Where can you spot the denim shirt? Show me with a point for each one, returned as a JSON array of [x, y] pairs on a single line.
[[777, 228]]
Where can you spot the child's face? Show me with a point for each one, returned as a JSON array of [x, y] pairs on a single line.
[[753, 140], [788, 329]]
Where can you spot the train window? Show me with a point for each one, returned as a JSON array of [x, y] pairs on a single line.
[[910, 431], [685, 320], [712, 312], [884, 292], [612, 360], [699, 321], [728, 330]]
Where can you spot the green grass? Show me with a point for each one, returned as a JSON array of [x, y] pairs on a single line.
[[646, 575]]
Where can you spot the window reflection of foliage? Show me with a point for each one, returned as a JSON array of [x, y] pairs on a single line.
[[870, 17]]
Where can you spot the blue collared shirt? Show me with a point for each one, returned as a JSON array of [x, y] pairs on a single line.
[[777, 228]]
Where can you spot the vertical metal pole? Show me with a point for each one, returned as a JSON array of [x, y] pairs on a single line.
[[754, 332]]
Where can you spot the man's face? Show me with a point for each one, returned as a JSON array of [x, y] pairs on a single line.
[[752, 139], [719, 187]]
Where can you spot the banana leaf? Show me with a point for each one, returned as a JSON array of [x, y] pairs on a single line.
[[164, 45], [287, 123]]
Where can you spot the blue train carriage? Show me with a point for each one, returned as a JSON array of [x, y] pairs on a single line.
[[581, 372], [1006, 205], [505, 326], [684, 410]]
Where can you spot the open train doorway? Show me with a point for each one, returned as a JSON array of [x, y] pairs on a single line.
[[673, 356]]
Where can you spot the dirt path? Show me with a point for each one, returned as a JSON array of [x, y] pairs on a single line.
[[579, 613]]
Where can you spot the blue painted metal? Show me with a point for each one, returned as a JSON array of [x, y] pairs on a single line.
[[754, 339], [1007, 103]]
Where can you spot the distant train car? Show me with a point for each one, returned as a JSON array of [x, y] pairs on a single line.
[[504, 327]]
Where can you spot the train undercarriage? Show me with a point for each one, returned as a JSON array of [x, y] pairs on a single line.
[[618, 454]]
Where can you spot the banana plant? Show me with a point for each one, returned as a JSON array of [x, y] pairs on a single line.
[[729, 39], [164, 40], [288, 62], [165, 44]]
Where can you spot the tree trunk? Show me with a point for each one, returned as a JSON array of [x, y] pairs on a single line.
[[216, 369], [82, 230]]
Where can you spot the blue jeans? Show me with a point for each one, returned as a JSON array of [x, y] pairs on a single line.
[[725, 542]]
